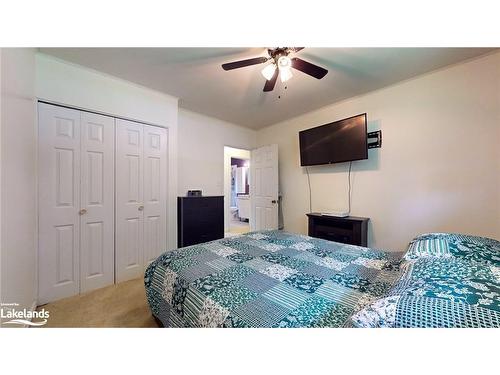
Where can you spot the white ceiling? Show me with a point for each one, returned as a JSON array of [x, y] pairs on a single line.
[[195, 76]]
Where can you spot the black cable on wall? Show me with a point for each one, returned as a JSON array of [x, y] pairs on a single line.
[[349, 189], [309, 183]]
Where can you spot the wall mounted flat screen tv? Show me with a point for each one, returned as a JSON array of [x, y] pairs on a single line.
[[336, 142]]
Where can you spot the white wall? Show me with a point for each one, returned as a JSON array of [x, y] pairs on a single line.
[[65, 83], [438, 168], [201, 151], [18, 178]]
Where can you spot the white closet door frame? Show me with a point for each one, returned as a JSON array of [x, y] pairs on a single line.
[[73, 252], [129, 232], [155, 192], [59, 202], [97, 201]]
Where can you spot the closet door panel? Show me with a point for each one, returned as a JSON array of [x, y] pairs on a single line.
[[155, 192], [129, 200], [59, 202], [97, 201]]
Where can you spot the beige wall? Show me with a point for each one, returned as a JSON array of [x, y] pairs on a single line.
[[438, 168], [201, 150], [18, 178]]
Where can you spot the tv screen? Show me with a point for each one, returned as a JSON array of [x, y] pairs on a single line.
[[336, 142]]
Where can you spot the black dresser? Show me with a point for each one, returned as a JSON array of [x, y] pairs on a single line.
[[350, 230], [199, 219]]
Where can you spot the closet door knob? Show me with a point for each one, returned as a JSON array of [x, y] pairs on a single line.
[[140, 208], [83, 211]]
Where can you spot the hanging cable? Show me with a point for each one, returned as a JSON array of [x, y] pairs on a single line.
[[309, 183], [349, 189]]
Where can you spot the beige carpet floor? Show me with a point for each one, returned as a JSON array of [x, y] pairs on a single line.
[[238, 227], [120, 305]]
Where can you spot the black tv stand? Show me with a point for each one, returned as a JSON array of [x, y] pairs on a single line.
[[349, 230]]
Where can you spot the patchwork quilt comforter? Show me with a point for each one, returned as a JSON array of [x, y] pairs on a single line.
[[267, 279], [449, 281]]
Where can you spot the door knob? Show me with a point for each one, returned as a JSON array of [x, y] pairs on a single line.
[[83, 211], [140, 208], [274, 201]]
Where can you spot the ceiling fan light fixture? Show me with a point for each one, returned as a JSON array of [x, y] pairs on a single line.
[[284, 62], [268, 71], [285, 65], [285, 74]]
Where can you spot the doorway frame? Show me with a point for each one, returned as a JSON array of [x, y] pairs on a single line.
[[230, 152]]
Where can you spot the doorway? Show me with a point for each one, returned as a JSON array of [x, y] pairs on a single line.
[[236, 191]]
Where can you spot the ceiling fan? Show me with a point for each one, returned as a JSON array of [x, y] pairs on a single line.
[[281, 63]]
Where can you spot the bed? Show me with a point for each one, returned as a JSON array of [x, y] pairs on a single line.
[[279, 279], [267, 279], [447, 281]]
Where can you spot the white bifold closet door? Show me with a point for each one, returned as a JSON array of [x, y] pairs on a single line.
[[141, 197], [97, 201], [76, 202]]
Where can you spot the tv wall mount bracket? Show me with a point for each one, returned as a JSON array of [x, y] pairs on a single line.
[[375, 139]]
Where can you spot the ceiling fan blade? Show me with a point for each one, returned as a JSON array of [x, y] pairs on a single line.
[[308, 68], [269, 86], [243, 63], [296, 49]]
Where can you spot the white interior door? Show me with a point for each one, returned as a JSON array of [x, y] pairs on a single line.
[[264, 188], [129, 200], [97, 201], [155, 192], [59, 202]]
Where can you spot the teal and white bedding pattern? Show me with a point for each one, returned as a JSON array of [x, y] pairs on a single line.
[[267, 279], [449, 280], [445, 245]]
